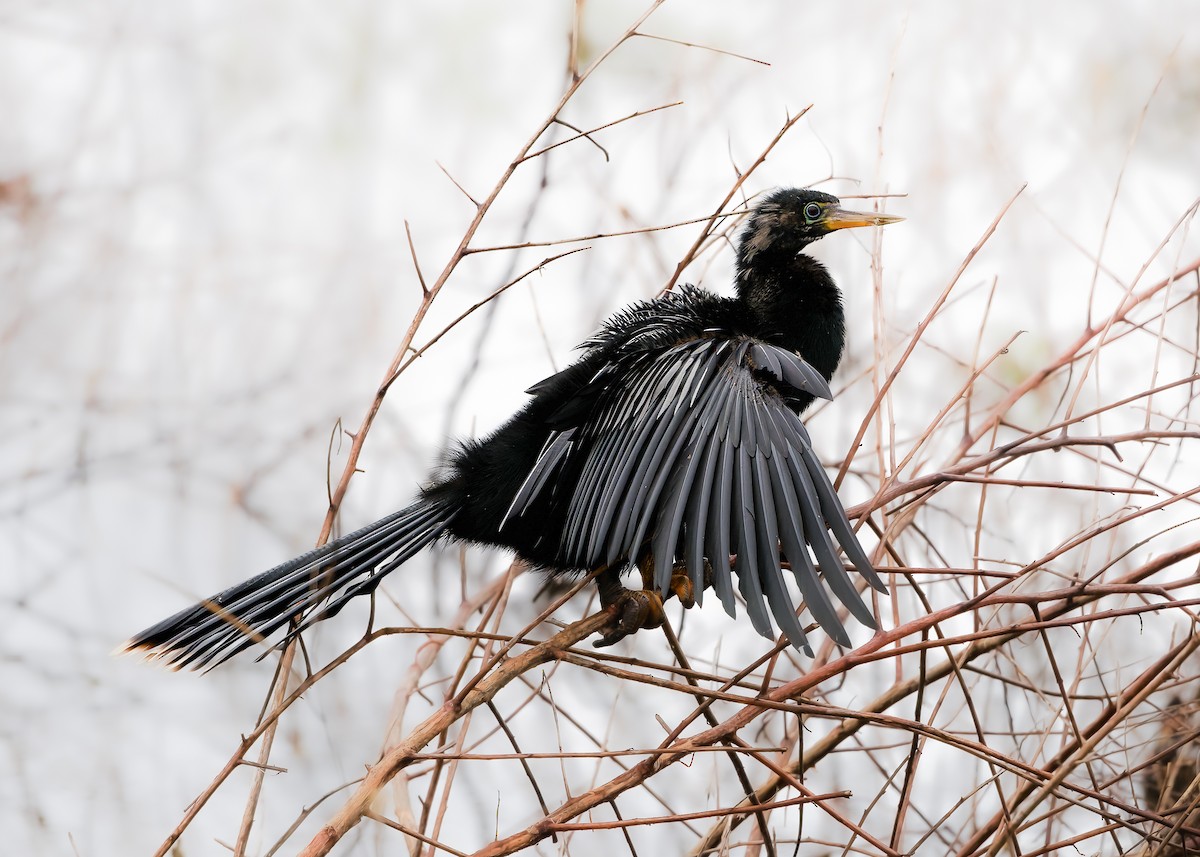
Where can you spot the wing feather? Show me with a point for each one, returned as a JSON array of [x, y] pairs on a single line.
[[747, 547], [770, 571], [552, 455], [672, 510], [691, 450], [697, 517], [791, 536], [817, 532], [718, 529]]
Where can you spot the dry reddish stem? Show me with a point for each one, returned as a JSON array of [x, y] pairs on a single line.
[[404, 753]]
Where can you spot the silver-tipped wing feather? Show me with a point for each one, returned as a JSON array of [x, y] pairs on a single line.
[[694, 451]]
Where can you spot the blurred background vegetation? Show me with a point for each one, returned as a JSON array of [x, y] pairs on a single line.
[[204, 267]]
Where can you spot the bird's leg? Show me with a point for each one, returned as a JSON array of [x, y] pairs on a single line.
[[635, 609]]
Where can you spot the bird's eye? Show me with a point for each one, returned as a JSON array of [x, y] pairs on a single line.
[[812, 212]]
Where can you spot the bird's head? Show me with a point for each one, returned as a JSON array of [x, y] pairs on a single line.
[[786, 221]]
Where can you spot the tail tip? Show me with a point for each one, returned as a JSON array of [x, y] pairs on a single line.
[[149, 652]]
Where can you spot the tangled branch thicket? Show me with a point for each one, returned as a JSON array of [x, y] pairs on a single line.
[[1018, 692]]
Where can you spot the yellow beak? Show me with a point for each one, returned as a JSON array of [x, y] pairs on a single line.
[[839, 218]]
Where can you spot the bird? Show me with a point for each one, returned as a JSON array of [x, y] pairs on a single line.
[[673, 444]]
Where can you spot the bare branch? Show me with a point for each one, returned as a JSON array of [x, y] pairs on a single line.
[[588, 134]]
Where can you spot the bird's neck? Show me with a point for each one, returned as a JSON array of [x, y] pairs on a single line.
[[791, 300]]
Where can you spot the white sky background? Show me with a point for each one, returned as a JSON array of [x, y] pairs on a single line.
[[203, 266]]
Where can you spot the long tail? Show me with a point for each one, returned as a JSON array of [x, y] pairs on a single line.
[[311, 587]]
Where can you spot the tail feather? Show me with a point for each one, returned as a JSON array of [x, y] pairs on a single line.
[[209, 633]]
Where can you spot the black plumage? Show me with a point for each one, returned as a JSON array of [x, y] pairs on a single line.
[[674, 443]]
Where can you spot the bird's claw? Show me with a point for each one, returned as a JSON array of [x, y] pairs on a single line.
[[681, 586], [633, 610]]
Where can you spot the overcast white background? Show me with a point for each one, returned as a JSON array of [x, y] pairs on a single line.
[[203, 266]]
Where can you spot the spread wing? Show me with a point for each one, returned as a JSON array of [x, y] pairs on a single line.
[[694, 450]]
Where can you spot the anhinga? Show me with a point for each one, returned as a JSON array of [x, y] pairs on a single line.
[[674, 443]]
